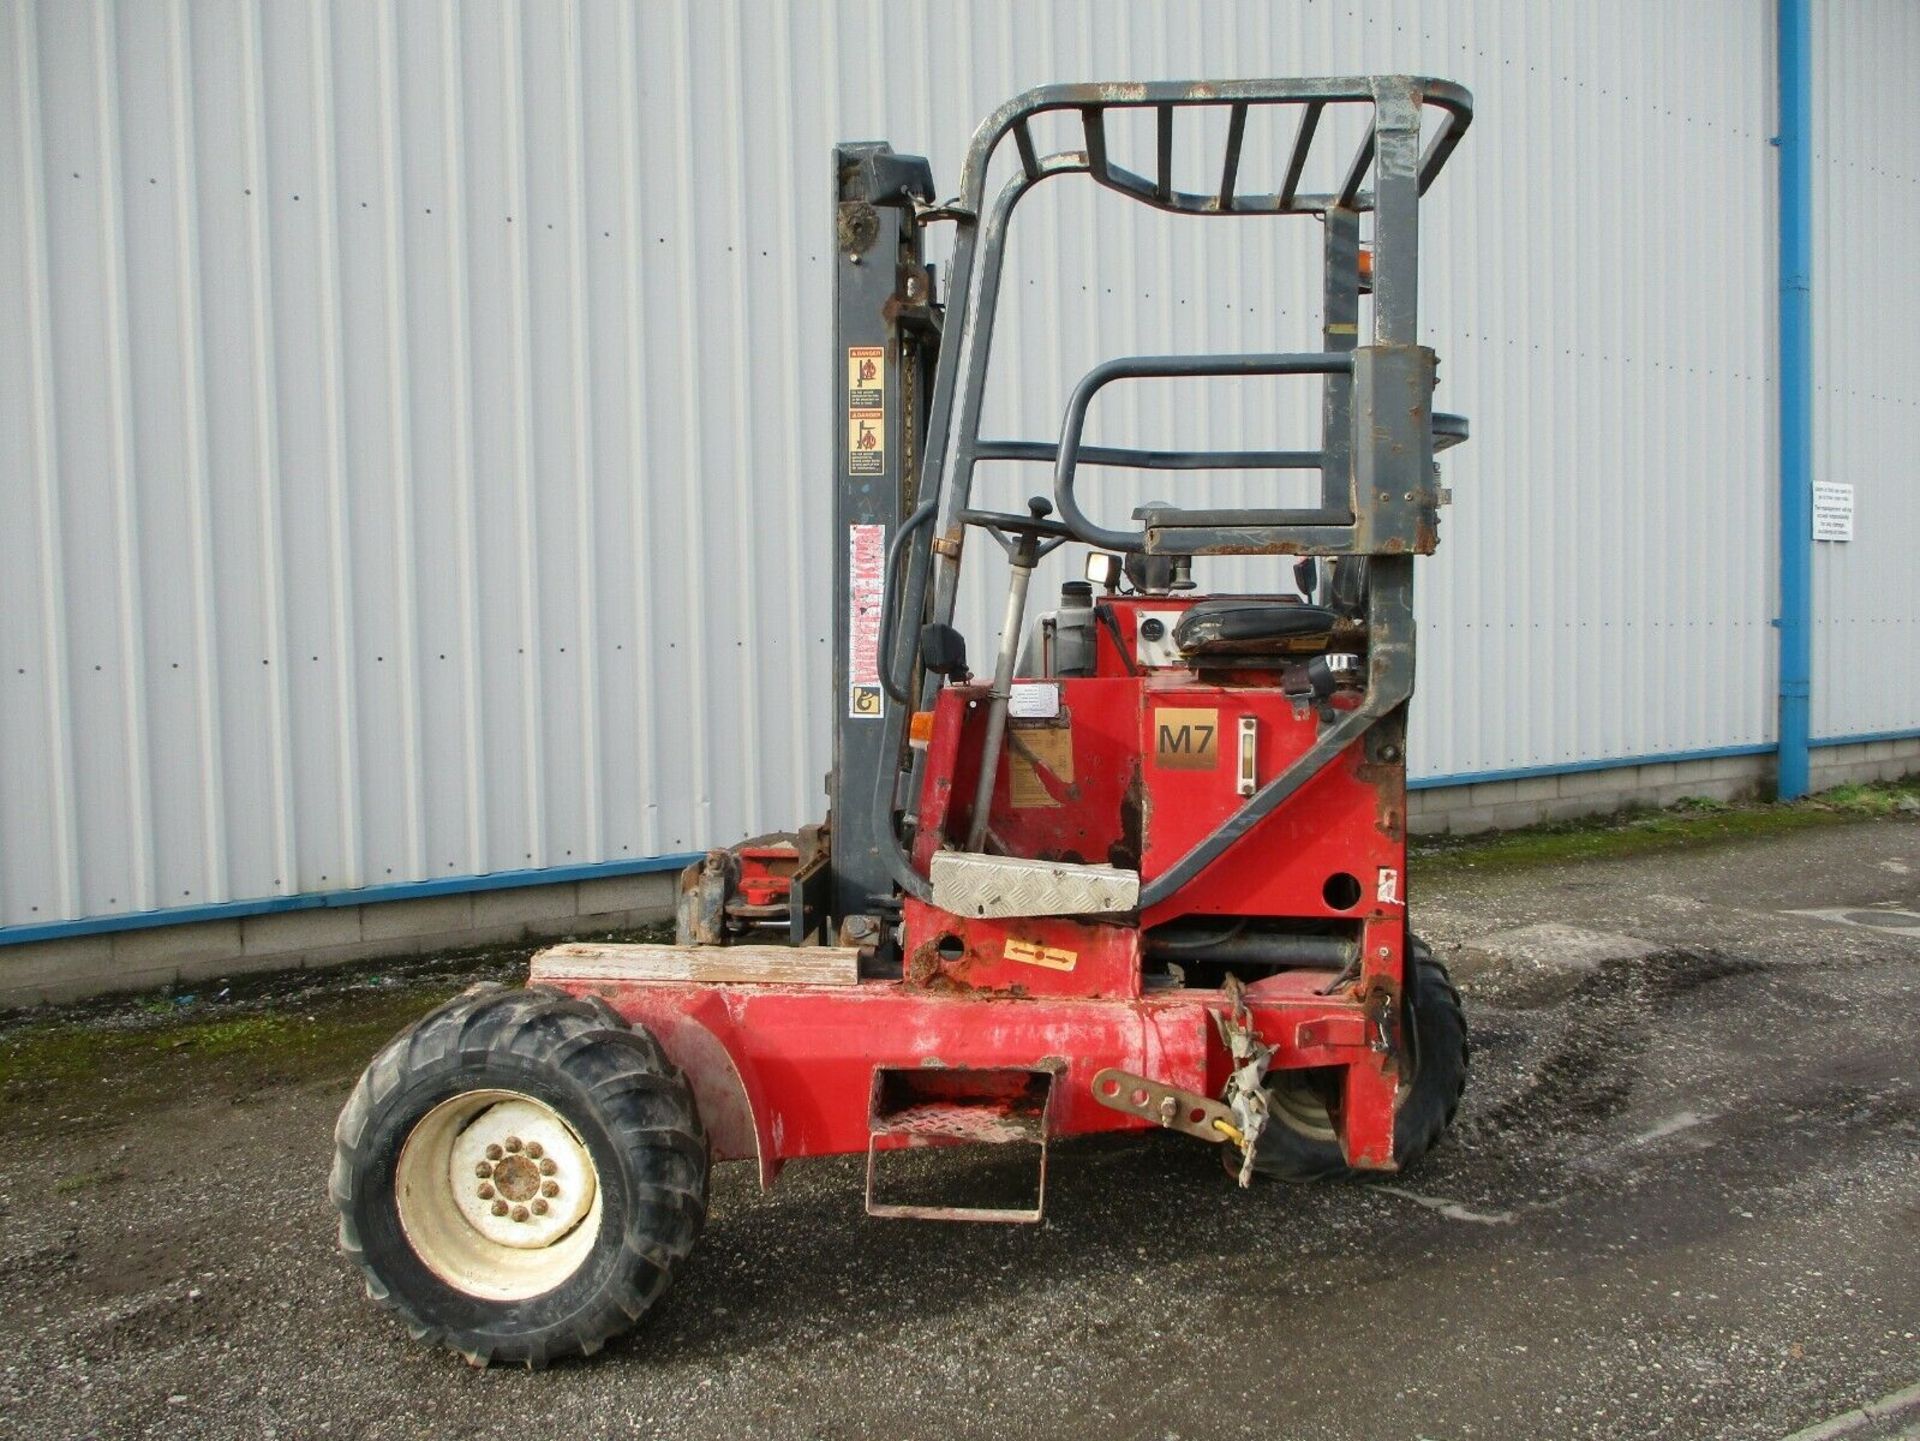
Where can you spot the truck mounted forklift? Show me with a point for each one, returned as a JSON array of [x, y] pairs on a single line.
[[1149, 872]]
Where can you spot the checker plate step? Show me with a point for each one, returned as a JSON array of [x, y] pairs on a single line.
[[975, 885]]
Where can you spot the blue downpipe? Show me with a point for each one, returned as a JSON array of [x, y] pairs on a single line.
[[1796, 394]]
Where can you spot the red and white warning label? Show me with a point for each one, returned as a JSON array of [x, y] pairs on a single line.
[[866, 584]]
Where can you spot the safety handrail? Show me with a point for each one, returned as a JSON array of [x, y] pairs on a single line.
[[1137, 367], [1388, 175], [1048, 452], [1312, 96]]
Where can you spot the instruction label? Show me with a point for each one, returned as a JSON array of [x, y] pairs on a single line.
[[1832, 510], [1033, 700], [866, 582]]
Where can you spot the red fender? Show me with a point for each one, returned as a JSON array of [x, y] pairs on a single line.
[[731, 1105]]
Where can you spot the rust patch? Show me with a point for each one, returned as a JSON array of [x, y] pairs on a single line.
[[1392, 824], [517, 1178], [927, 970], [1135, 803], [1387, 780], [856, 227], [921, 967], [913, 291]]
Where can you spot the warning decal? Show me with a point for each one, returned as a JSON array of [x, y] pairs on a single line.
[[866, 581], [866, 410], [866, 442], [864, 368], [1032, 953]]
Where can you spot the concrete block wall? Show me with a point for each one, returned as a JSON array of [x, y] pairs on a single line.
[[1531, 800], [174, 955], [202, 951], [1874, 761]]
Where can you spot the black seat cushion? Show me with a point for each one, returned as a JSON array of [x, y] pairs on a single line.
[[1241, 627]]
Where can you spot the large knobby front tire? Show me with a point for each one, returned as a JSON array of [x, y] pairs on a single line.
[[1299, 1142], [519, 1175]]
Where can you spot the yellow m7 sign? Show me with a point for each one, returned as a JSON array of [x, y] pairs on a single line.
[[1186, 739]]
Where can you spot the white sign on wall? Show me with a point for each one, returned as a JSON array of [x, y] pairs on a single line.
[[1832, 510]]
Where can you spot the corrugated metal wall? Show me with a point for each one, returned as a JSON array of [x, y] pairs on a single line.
[[414, 438], [1866, 363]]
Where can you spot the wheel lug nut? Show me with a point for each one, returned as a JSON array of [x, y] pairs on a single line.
[[539, 1207], [547, 1168], [535, 1149], [513, 1143], [549, 1188], [483, 1170], [519, 1213], [486, 1192], [499, 1208], [494, 1153]]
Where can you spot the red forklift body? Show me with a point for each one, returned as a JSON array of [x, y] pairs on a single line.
[[1147, 869], [1164, 845]]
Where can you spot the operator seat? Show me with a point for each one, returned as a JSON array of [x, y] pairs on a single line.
[[1246, 626]]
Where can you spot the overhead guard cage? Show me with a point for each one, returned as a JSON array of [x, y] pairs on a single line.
[[1378, 497]]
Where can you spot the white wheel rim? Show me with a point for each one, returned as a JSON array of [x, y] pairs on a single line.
[[497, 1195]]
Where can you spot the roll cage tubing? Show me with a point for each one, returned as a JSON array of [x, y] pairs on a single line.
[[1401, 171]]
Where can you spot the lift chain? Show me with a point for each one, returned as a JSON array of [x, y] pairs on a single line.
[[1246, 1092]]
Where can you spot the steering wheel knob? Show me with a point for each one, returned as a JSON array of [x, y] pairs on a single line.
[[1008, 523]]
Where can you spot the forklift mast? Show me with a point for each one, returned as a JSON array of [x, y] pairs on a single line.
[[886, 342]]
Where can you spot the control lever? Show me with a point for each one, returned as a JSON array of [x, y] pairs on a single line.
[[1025, 538]]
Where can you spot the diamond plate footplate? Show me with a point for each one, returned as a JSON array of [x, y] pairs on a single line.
[[976, 885]]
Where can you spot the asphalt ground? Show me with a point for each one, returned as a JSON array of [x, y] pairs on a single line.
[[1682, 1200]]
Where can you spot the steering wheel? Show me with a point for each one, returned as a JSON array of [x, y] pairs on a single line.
[[1013, 530]]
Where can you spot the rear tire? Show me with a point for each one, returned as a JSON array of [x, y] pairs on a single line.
[[519, 1175], [1299, 1142]]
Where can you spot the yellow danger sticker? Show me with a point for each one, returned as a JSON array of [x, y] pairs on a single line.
[[1030, 953], [866, 410], [866, 442], [866, 372]]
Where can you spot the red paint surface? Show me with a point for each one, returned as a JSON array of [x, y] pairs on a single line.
[[806, 1055], [789, 1071]]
